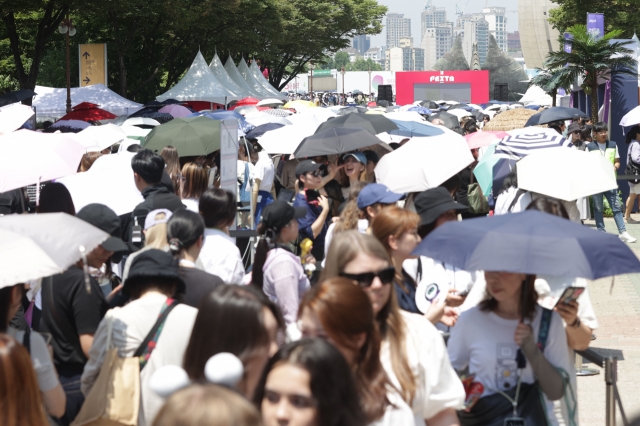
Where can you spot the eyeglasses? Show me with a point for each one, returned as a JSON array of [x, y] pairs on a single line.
[[316, 173], [366, 279]]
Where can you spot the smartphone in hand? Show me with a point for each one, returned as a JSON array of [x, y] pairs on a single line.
[[570, 294]]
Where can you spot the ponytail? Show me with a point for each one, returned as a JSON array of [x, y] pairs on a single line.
[[265, 243], [184, 229]]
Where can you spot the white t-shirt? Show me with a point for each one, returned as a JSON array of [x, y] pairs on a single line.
[[505, 199], [438, 278], [192, 204], [40, 357], [264, 171], [398, 413], [484, 342], [220, 256], [438, 385]]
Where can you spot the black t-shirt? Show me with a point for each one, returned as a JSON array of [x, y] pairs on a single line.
[[67, 312], [198, 284], [12, 202]]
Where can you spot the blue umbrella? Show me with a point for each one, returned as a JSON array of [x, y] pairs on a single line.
[[501, 170], [243, 125], [554, 114], [262, 129], [420, 110], [530, 242], [412, 128]]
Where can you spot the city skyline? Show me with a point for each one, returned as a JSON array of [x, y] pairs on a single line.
[[412, 9]]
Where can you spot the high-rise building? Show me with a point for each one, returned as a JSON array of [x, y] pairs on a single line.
[[405, 57], [460, 21], [430, 17], [476, 32], [376, 54], [361, 43], [397, 27], [497, 20], [537, 36]]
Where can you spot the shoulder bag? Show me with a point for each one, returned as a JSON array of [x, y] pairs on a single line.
[[632, 168], [114, 399], [477, 201], [494, 410]]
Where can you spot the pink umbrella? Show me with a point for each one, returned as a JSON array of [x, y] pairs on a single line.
[[177, 111], [480, 139]]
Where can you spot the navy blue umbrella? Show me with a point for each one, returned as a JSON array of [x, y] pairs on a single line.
[[501, 170], [530, 242], [554, 114], [260, 130]]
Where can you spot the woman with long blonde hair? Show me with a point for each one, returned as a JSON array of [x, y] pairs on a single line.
[[412, 353], [172, 166]]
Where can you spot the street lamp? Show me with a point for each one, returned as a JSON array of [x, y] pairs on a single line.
[[369, 84], [344, 100], [66, 27], [311, 83]]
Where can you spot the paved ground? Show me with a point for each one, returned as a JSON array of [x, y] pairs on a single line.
[[618, 314]]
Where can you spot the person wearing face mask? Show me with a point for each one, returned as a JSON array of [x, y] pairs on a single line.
[[314, 224], [71, 314], [412, 353], [308, 383], [341, 313]]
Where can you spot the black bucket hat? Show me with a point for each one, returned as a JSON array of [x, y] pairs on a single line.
[[104, 218], [430, 204], [153, 263], [279, 213]]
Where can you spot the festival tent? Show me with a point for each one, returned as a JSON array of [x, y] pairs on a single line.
[[51, 102], [251, 81], [237, 78], [199, 84], [260, 78], [218, 70]]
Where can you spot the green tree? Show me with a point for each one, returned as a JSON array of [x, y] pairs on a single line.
[[504, 69], [341, 59], [362, 64], [619, 14], [454, 60], [592, 60], [550, 81]]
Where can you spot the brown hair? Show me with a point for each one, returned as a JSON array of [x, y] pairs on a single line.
[[87, 161], [351, 213], [196, 180], [528, 310], [393, 221], [172, 161], [20, 400], [345, 312], [207, 405], [345, 247]]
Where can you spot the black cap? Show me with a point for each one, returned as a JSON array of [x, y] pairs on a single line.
[[306, 166], [104, 218], [153, 263], [279, 213], [431, 203]]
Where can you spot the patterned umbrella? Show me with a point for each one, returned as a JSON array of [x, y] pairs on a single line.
[[520, 145], [67, 126], [176, 111], [279, 112]]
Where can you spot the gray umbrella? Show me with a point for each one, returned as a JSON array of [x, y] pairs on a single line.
[[336, 140]]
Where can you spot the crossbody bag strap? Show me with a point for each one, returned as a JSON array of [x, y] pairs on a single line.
[[149, 343], [519, 194], [543, 332], [26, 340]]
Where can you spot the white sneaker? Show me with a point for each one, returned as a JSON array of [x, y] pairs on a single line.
[[626, 237]]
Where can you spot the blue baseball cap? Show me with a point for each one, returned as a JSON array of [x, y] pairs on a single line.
[[358, 156], [377, 193]]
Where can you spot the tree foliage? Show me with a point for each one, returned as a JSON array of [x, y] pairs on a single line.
[[362, 64], [151, 44], [550, 81], [454, 60], [591, 60], [504, 69], [621, 15]]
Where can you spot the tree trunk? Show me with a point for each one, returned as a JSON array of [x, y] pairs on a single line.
[[554, 93], [594, 104]]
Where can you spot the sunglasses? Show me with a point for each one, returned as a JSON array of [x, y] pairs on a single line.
[[316, 173], [366, 279]]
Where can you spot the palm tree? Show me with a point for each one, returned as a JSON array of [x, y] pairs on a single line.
[[590, 60], [549, 81]]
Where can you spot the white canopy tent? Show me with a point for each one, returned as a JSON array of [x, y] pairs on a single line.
[[51, 102], [218, 70], [237, 78], [535, 95], [199, 84], [257, 74], [251, 80]]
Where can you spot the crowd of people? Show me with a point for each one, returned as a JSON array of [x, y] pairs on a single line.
[[334, 322]]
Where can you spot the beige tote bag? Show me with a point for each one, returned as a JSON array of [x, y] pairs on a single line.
[[114, 399]]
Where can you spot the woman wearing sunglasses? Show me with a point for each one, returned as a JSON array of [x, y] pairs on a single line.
[[412, 353], [341, 313]]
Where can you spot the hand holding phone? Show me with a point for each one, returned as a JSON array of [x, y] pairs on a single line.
[[570, 294]]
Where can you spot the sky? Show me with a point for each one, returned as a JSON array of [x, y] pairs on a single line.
[[413, 8]]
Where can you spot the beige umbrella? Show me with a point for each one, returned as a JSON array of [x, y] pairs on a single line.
[[510, 120]]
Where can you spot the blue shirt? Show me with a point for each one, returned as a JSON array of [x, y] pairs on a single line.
[[407, 299], [313, 212]]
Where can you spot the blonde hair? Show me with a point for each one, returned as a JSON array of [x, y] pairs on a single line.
[[345, 247], [351, 213], [156, 236], [207, 405], [196, 180]]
